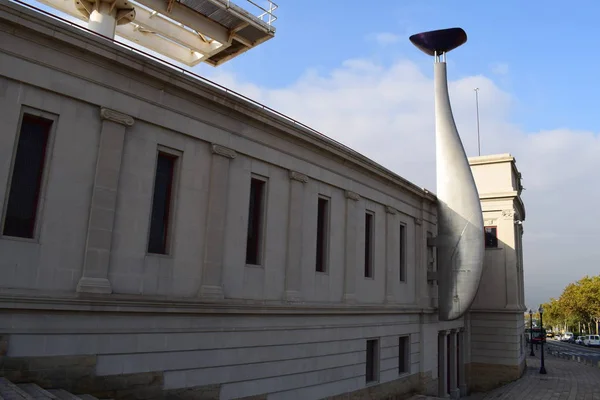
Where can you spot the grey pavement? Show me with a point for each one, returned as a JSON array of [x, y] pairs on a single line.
[[565, 380]]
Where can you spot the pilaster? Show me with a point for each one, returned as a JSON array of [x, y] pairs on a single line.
[[350, 246], [443, 363], [453, 361], [392, 239], [462, 357], [293, 271], [218, 191], [507, 222], [103, 205]]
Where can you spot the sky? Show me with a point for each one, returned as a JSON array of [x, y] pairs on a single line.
[[347, 69]]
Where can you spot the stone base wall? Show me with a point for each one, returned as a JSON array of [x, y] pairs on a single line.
[[146, 356], [77, 375], [398, 389], [483, 377]]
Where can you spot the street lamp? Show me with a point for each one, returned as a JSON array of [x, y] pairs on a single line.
[[531, 354], [542, 368]]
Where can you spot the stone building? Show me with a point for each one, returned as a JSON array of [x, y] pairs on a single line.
[[496, 316], [162, 236]]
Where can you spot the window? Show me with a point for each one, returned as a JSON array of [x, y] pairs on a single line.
[[491, 237], [403, 355], [255, 221], [402, 265], [160, 229], [28, 171], [369, 217], [322, 234], [372, 371]]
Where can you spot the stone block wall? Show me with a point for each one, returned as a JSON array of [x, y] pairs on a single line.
[[212, 357]]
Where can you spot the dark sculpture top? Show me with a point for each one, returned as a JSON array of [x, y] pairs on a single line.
[[440, 41]]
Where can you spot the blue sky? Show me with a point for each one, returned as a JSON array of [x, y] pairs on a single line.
[[548, 46], [347, 69]]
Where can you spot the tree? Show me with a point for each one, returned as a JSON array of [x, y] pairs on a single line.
[[578, 305]]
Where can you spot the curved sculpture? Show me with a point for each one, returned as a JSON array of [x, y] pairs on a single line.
[[460, 240]]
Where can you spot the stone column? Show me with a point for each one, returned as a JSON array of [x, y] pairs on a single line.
[[453, 361], [293, 270], [94, 278], [218, 190], [443, 363], [462, 352], [392, 239], [350, 260]]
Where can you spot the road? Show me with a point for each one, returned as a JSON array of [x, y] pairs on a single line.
[[591, 354]]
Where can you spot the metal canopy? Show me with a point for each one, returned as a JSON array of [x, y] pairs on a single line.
[[188, 31]]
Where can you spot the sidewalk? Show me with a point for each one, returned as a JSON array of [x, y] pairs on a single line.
[[565, 380]]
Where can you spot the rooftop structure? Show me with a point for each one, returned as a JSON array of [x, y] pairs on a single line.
[[188, 31]]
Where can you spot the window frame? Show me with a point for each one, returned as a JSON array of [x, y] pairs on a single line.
[[260, 258], [402, 260], [375, 359], [495, 227], [404, 368], [43, 183], [369, 261], [326, 235], [177, 156]]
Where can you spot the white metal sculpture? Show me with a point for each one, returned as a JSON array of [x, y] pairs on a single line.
[[460, 240]]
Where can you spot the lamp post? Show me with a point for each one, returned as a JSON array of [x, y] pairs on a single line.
[[543, 367], [532, 354]]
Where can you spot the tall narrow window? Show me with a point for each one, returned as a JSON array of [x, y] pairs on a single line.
[[255, 222], [402, 261], [158, 242], [372, 365], [491, 237], [27, 174], [322, 234], [403, 354], [369, 217]]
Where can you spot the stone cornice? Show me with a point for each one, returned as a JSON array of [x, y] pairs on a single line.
[[31, 300], [115, 116], [496, 311], [390, 210], [223, 151], [297, 176], [352, 195]]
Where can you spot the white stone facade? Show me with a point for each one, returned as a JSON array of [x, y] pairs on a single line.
[[199, 317], [496, 317]]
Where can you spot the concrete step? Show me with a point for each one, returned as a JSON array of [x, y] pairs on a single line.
[[36, 392], [10, 391], [62, 394]]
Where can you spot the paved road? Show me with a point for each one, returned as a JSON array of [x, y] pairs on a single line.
[[565, 380], [574, 351]]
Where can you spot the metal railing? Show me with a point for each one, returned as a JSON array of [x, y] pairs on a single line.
[[267, 14]]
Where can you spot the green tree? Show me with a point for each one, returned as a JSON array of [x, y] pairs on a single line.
[[578, 305]]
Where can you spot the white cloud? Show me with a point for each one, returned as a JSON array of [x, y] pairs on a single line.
[[386, 38], [500, 68], [386, 112]]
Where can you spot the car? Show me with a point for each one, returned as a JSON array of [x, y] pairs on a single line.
[[592, 340], [567, 337], [580, 340]]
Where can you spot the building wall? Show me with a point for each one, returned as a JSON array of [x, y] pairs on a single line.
[[156, 331], [496, 317]]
